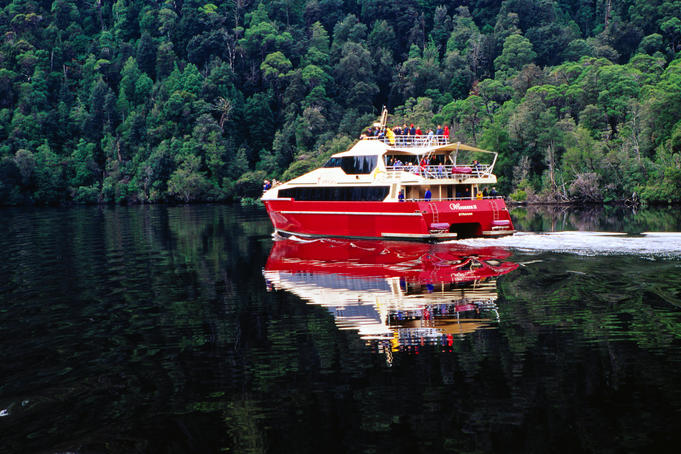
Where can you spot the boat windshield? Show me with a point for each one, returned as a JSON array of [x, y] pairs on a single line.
[[354, 164]]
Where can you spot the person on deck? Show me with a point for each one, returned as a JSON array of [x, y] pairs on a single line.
[[427, 195], [391, 136], [476, 167], [445, 133], [493, 193], [400, 196]]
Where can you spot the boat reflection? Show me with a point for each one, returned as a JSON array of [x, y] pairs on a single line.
[[397, 295]]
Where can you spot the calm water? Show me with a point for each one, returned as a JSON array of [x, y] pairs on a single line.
[[188, 329]]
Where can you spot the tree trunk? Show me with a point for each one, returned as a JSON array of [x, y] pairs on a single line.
[[608, 8]]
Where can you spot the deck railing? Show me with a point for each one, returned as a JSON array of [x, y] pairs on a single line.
[[437, 172], [450, 199], [409, 141]]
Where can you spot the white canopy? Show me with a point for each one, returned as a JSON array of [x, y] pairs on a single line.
[[374, 147]]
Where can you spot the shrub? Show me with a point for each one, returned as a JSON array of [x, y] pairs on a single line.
[[586, 188], [86, 195], [518, 195], [250, 184]]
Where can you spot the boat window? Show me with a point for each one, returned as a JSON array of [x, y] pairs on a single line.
[[354, 164], [337, 193]]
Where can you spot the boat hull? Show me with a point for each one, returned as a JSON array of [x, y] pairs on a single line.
[[411, 220]]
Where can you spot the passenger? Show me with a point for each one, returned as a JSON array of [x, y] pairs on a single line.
[[438, 134], [266, 185], [427, 195], [476, 167], [400, 196], [493, 193], [484, 192], [391, 136], [440, 170], [431, 135], [445, 133], [478, 195]]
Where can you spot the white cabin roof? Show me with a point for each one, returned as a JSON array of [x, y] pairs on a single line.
[[365, 147]]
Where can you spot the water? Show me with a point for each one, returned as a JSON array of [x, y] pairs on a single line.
[[187, 329]]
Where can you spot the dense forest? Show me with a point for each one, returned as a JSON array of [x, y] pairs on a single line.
[[149, 101]]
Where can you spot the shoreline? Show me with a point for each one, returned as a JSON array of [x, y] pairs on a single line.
[[247, 201]]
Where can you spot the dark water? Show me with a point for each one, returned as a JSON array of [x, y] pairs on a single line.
[[181, 329]]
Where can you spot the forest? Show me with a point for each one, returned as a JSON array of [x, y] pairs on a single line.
[[190, 101]]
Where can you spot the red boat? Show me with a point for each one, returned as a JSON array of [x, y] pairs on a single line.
[[397, 187], [400, 294]]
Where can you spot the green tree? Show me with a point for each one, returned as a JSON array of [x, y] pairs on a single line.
[[146, 55], [516, 54], [354, 75], [188, 183], [84, 168]]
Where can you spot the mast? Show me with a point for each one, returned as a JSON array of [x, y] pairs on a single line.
[[384, 118]]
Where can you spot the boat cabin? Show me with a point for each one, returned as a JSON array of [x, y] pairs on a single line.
[[399, 168]]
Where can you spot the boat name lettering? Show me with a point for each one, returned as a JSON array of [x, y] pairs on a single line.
[[458, 206]]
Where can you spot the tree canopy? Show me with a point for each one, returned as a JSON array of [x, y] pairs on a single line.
[[135, 102]]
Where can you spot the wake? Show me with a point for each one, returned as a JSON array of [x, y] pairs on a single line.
[[665, 244]]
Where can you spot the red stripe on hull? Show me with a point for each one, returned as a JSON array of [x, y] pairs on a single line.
[[378, 219]]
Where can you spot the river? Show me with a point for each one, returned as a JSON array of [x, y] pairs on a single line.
[[188, 329]]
